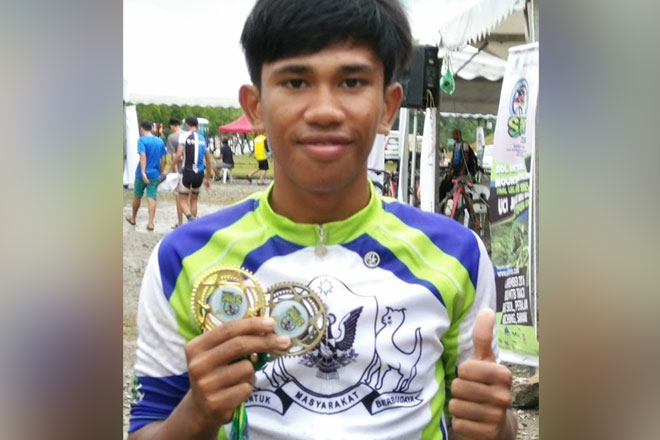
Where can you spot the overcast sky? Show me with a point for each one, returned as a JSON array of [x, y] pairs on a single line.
[[159, 35]]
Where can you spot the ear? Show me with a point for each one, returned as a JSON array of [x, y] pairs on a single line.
[[248, 96], [393, 97]]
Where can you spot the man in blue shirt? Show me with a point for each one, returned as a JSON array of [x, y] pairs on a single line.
[[147, 175]]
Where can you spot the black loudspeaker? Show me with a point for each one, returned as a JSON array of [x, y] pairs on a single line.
[[421, 85]]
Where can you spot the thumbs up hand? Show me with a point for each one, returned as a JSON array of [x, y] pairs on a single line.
[[481, 394]]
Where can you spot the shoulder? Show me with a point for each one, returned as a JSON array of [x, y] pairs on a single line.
[[445, 233], [194, 235]]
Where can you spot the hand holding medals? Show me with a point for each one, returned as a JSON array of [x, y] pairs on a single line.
[[227, 293]]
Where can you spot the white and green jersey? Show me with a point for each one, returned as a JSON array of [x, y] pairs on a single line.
[[401, 287]]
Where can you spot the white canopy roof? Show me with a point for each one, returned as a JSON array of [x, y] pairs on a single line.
[[476, 20], [469, 64]]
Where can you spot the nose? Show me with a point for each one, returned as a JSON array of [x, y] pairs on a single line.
[[324, 108]]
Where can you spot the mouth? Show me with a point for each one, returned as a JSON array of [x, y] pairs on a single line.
[[325, 147]]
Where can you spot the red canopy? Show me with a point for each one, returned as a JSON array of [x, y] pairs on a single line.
[[240, 125]]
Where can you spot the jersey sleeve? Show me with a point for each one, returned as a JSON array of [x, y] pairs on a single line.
[[141, 147], [484, 297], [161, 378]]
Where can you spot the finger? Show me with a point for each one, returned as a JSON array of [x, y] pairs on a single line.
[[225, 402], [482, 335], [224, 332], [478, 412], [233, 349], [224, 377], [486, 372], [475, 430], [481, 393]]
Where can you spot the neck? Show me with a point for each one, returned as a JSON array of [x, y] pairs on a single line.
[[303, 206]]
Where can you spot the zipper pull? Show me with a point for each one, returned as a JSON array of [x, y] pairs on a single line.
[[321, 250]]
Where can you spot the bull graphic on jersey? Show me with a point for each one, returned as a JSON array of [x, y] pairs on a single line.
[[368, 356], [334, 352]]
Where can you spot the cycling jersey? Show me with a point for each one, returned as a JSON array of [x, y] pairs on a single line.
[[402, 288], [194, 148]]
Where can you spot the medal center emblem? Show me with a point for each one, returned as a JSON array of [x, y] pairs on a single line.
[[229, 303]]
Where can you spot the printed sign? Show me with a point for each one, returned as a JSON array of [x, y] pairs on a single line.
[[510, 198]]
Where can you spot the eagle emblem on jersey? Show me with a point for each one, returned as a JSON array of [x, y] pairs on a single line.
[[334, 351], [368, 358]]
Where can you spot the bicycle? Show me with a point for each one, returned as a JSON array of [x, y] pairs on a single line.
[[467, 203], [388, 187]]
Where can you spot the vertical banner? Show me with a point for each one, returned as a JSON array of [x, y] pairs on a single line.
[[428, 163], [510, 198], [131, 136]]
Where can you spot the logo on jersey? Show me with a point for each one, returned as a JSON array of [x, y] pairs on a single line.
[[367, 357], [137, 393], [371, 259]]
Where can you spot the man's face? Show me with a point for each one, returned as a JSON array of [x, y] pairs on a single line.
[[321, 113], [456, 135]]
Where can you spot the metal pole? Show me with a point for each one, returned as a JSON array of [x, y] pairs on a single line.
[[413, 166], [404, 128]]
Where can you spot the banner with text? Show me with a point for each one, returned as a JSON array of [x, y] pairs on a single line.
[[510, 197]]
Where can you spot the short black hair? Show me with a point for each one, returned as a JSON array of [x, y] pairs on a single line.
[[191, 121], [147, 125], [175, 121], [277, 29]]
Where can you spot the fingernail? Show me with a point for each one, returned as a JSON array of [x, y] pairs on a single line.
[[283, 341]]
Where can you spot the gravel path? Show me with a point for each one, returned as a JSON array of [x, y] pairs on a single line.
[[138, 244]]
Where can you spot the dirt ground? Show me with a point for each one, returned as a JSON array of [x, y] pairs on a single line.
[[138, 244]]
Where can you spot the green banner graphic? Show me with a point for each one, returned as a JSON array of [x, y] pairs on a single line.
[[510, 199]]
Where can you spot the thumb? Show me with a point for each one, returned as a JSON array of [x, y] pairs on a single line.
[[482, 335]]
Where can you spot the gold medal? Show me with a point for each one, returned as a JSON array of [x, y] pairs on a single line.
[[299, 314], [227, 294]]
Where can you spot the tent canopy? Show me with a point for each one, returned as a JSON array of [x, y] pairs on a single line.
[[478, 20], [240, 125]]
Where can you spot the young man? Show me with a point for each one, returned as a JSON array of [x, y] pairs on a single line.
[[261, 158], [402, 288], [172, 147], [192, 153], [147, 175]]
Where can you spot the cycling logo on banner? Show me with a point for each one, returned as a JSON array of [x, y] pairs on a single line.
[[517, 123]]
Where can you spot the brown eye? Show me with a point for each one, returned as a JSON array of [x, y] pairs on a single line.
[[295, 83], [352, 83]]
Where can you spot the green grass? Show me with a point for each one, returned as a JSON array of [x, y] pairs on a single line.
[[243, 165]]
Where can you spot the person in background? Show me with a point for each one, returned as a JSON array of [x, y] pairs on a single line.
[[226, 159], [462, 154], [459, 163], [262, 159], [147, 175], [172, 146], [192, 153]]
